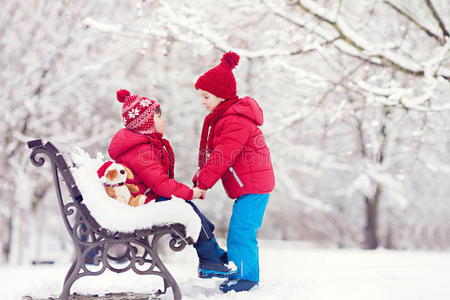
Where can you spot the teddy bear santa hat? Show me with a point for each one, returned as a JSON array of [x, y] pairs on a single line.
[[220, 80], [137, 112]]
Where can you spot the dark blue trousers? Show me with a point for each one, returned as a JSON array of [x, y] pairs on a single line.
[[206, 246]]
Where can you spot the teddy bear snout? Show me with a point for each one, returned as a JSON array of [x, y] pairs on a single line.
[[111, 175]]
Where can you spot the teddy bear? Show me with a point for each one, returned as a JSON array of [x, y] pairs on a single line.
[[114, 176]]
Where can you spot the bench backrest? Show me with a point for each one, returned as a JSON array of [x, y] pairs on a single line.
[[61, 166]]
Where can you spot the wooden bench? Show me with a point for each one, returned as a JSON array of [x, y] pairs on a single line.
[[89, 237]]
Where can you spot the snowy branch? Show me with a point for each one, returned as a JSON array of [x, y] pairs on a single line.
[[399, 97], [438, 18], [213, 39], [415, 22], [364, 49]]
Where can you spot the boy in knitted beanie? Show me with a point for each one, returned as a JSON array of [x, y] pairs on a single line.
[[140, 146], [232, 148]]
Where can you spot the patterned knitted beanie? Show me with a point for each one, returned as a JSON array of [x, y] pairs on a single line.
[[220, 81], [137, 112]]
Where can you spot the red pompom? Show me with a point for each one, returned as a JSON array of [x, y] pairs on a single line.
[[122, 94], [230, 59]]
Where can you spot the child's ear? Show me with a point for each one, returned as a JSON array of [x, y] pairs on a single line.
[[129, 173]]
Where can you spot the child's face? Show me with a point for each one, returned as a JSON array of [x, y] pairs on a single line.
[[209, 100], [160, 122]]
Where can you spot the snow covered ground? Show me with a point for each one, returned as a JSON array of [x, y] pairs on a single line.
[[289, 270]]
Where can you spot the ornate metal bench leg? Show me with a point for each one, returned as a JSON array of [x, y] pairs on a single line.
[[72, 275], [168, 279], [70, 270], [166, 284]]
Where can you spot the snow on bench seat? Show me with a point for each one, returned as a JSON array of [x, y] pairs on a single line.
[[117, 216]]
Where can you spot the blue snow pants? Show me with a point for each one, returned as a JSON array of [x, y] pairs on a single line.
[[242, 246]]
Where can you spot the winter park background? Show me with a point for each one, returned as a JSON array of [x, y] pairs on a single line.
[[355, 96]]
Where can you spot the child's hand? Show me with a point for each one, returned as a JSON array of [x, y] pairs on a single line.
[[198, 193]]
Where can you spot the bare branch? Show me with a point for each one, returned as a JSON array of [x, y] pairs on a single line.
[[300, 117], [278, 12], [415, 22], [437, 17]]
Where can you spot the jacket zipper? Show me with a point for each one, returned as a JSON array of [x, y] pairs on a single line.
[[236, 177], [147, 191]]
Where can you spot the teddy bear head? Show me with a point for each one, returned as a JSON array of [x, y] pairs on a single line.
[[111, 173]]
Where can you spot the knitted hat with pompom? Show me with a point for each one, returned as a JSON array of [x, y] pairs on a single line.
[[137, 112], [220, 81]]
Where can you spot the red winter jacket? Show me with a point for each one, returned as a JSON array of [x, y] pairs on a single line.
[[147, 158], [239, 143]]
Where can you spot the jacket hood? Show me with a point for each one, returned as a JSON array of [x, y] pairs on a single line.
[[124, 140], [249, 108]]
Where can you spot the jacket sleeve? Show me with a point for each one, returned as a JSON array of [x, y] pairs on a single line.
[[229, 141], [148, 167]]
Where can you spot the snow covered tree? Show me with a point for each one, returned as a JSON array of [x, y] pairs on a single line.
[[370, 66], [53, 80], [354, 96]]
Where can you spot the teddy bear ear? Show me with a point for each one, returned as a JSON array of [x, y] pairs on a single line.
[[129, 173]]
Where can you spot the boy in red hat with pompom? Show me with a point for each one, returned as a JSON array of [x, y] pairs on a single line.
[[140, 146], [233, 148]]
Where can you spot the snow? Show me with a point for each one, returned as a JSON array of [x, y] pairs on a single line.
[[102, 26], [289, 270], [107, 210], [63, 66]]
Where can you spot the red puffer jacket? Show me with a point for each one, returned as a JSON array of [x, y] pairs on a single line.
[[240, 156], [146, 157]]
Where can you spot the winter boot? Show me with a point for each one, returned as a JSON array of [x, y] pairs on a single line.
[[213, 261], [207, 269], [237, 285]]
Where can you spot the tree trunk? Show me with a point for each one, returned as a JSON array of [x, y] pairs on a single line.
[[4, 238], [370, 231]]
